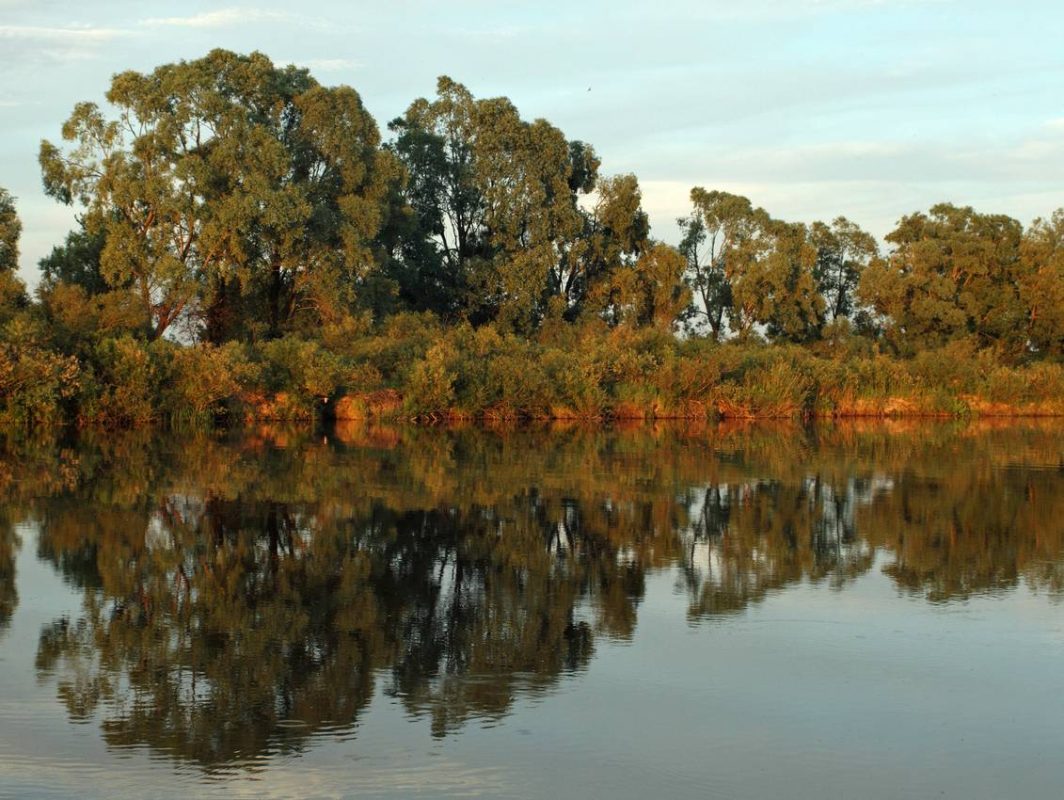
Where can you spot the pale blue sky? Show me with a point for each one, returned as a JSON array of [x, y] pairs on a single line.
[[869, 108]]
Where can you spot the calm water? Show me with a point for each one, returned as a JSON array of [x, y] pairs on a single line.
[[847, 611]]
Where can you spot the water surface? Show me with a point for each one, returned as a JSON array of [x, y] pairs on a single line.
[[864, 610]]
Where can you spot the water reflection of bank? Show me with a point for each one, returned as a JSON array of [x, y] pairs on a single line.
[[233, 586]]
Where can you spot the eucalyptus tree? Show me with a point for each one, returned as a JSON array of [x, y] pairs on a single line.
[[226, 187], [954, 274], [843, 251], [76, 262], [776, 287], [720, 238], [12, 290], [10, 231], [616, 235], [435, 143], [495, 198], [1042, 284], [649, 292]]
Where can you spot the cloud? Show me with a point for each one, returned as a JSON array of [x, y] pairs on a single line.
[[22, 44], [784, 9], [223, 18], [66, 36], [872, 183]]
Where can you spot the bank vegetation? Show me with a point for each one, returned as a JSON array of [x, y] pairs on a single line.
[[251, 246]]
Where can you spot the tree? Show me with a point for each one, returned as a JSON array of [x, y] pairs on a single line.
[[616, 233], [76, 262], [10, 230], [843, 251], [747, 269], [135, 188], [434, 142], [311, 194], [720, 237], [649, 292], [12, 290], [226, 182], [954, 273], [1042, 284], [777, 288], [496, 204]]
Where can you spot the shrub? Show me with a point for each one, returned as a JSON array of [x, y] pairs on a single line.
[[430, 389], [300, 367], [119, 388], [34, 380], [199, 382]]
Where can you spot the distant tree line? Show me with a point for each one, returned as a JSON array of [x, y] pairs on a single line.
[[227, 202]]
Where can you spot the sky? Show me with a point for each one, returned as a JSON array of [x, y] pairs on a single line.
[[812, 108]]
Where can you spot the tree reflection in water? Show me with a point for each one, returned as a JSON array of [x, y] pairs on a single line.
[[242, 596]]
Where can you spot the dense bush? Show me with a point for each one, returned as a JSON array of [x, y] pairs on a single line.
[[35, 381], [119, 384], [594, 372], [199, 383]]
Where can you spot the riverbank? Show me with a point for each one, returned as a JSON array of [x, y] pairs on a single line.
[[413, 368]]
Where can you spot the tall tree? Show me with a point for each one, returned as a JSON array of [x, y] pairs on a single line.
[[720, 237], [221, 178], [843, 251], [954, 273], [616, 233], [12, 290], [496, 198], [435, 143], [1042, 284], [776, 287], [650, 292], [10, 231], [77, 261]]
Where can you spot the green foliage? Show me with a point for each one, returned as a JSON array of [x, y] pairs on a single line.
[[843, 252], [76, 262], [300, 366], [201, 382], [10, 230], [1042, 285], [398, 344], [35, 381], [77, 320], [778, 289], [747, 270], [646, 292], [495, 227], [720, 238], [119, 386], [12, 296], [226, 179], [431, 387], [954, 273], [246, 243]]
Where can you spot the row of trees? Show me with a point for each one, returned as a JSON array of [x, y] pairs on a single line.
[[238, 200], [476, 263]]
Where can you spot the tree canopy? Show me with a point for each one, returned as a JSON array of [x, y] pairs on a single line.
[[10, 231], [259, 219], [953, 273], [498, 228], [227, 182], [251, 202]]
